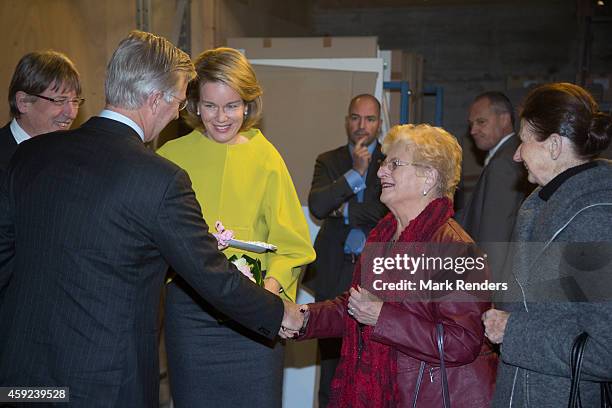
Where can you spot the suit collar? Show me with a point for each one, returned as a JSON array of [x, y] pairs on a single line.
[[112, 126], [503, 141], [19, 135], [111, 114], [7, 135]]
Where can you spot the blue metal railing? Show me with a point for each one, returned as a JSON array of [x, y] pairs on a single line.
[[405, 94]]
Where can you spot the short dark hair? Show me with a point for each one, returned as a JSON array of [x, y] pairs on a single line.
[[38, 70], [569, 111], [499, 102], [366, 96]]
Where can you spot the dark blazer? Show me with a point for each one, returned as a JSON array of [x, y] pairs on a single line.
[[91, 219], [8, 145], [491, 211], [328, 192]]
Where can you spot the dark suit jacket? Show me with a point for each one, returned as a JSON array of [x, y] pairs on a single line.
[[92, 219], [8, 145], [491, 211], [329, 190]]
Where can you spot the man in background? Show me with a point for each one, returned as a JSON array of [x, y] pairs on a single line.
[[345, 194], [44, 96], [490, 213], [90, 220]]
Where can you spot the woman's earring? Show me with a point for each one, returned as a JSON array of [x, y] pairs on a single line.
[[198, 111], [424, 192]]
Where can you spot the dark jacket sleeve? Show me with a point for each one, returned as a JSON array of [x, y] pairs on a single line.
[[327, 194], [185, 243], [366, 214], [411, 328], [504, 193], [7, 233], [541, 340]]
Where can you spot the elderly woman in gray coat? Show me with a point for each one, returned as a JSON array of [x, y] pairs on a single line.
[[562, 268]]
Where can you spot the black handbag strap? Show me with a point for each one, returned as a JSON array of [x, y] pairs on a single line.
[[440, 336], [606, 395], [576, 367], [444, 380]]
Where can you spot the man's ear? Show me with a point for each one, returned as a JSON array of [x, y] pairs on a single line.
[[153, 101], [506, 119], [23, 101]]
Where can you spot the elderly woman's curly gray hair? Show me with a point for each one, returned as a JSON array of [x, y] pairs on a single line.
[[432, 147]]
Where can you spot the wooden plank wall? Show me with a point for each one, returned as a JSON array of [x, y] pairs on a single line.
[[88, 31]]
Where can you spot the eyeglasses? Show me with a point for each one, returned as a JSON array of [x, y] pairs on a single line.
[[391, 165], [231, 109], [182, 102], [74, 102]]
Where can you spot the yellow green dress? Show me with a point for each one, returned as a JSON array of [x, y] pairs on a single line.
[[248, 188]]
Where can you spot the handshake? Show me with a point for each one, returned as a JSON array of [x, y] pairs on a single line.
[[295, 319]]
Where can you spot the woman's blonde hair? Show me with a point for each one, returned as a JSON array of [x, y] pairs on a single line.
[[432, 147], [228, 66]]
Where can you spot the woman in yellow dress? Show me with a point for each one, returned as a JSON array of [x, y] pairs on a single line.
[[241, 180]]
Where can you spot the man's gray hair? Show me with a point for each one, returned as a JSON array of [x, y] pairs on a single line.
[[144, 63]]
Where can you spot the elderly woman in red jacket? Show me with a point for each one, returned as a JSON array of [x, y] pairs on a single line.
[[390, 355]]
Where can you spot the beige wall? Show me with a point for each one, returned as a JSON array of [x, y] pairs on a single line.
[[213, 21], [88, 31]]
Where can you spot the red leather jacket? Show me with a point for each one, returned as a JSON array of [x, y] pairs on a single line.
[[410, 328]]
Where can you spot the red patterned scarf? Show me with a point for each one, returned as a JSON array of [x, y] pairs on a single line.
[[368, 378]]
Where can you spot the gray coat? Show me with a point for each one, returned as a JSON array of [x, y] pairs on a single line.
[[547, 272]]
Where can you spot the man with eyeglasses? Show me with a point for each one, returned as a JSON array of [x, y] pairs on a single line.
[[44, 96], [345, 194], [90, 220]]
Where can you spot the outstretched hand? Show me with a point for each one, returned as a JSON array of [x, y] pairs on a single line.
[[293, 320]]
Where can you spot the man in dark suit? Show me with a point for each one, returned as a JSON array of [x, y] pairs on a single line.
[[491, 211], [345, 194], [44, 96], [90, 220]]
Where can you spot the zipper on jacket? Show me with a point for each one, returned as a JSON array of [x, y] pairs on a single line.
[[431, 376]]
